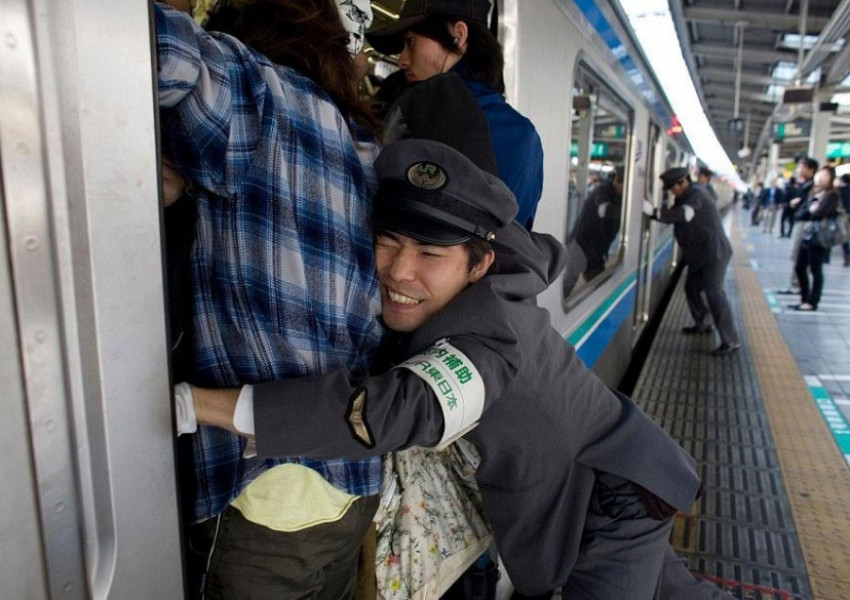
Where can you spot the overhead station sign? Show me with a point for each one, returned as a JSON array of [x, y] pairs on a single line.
[[838, 149], [799, 128]]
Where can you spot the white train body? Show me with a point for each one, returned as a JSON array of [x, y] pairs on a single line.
[[89, 506]]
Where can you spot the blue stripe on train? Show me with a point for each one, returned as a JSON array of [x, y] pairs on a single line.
[[594, 335]]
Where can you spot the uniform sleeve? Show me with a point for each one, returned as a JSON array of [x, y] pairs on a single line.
[[433, 397], [675, 214], [333, 415]]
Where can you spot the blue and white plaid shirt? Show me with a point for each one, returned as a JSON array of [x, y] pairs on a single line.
[[283, 267]]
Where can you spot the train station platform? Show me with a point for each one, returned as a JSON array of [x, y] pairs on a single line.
[[767, 425]]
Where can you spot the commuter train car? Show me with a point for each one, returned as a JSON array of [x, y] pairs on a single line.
[[90, 507]]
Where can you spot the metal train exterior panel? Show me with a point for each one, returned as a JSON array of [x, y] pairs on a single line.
[[89, 506]]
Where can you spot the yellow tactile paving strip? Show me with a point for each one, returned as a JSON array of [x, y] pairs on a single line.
[[817, 479]]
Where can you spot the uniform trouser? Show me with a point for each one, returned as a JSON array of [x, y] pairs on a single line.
[[709, 281], [252, 562], [622, 547], [810, 258], [677, 582]]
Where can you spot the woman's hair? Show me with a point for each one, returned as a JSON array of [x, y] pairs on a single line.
[[306, 35], [483, 59]]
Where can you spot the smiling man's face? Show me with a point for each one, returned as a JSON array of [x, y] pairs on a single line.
[[418, 279]]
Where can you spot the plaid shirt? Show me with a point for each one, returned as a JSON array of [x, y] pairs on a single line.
[[283, 268]]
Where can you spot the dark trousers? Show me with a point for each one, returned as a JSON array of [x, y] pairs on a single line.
[[787, 217], [709, 281], [810, 260], [622, 548], [252, 562]]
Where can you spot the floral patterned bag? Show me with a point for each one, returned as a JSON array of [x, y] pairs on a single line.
[[430, 523]]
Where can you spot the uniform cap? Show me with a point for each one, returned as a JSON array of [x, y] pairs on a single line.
[[390, 39], [435, 194], [671, 176]]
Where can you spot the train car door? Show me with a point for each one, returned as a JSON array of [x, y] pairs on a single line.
[[643, 305], [89, 504]]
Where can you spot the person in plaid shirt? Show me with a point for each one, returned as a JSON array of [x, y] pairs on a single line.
[[262, 119]]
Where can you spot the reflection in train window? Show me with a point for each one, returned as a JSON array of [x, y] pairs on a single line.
[[601, 123]]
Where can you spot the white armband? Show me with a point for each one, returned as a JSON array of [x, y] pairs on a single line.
[[689, 213], [457, 384]]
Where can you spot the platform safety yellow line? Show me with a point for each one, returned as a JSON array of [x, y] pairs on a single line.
[[815, 474]]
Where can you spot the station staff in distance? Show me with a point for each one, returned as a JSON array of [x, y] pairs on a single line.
[[707, 252]]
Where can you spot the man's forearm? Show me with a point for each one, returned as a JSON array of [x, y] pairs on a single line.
[[215, 407]]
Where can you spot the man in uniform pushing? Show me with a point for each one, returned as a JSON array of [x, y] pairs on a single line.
[[579, 486]]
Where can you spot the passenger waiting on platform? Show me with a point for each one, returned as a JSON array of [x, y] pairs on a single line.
[[844, 192], [755, 214], [771, 198], [787, 217], [806, 168], [579, 485], [810, 255], [704, 176], [283, 277], [706, 251], [451, 35]]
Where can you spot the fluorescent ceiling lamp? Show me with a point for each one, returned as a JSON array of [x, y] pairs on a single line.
[[653, 27]]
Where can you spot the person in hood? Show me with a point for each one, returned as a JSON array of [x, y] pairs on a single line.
[[578, 484]]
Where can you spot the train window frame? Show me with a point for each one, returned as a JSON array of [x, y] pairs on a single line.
[[613, 104]]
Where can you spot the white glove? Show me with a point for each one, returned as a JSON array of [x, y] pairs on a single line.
[[184, 409], [648, 209]]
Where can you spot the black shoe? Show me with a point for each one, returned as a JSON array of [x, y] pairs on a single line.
[[697, 329], [725, 349]]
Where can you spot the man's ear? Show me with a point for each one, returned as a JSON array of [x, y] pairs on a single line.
[[480, 269], [460, 32]]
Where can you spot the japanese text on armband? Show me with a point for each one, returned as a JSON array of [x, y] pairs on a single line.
[[457, 384]]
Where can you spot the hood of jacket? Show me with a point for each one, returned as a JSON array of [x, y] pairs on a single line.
[[528, 262]]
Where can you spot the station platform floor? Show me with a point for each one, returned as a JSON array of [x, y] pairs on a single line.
[[767, 425]]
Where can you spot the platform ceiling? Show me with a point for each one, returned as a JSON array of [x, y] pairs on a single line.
[[711, 30]]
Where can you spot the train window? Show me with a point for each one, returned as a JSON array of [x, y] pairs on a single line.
[[601, 124]]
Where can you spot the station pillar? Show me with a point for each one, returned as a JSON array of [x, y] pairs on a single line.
[[821, 122]]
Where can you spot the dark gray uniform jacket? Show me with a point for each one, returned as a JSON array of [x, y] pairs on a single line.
[[548, 421], [702, 239]]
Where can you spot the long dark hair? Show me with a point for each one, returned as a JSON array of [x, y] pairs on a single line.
[[483, 60], [306, 35]]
